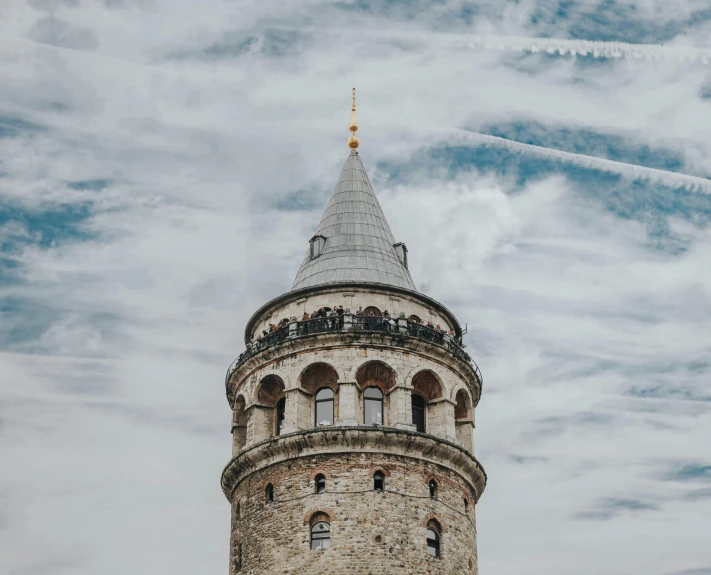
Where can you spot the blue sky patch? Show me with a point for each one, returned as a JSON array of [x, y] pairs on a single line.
[[609, 21], [45, 228], [13, 127], [690, 472]]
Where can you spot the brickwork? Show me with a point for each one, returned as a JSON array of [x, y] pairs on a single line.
[[275, 537]]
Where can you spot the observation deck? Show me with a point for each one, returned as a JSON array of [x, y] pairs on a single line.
[[353, 324]]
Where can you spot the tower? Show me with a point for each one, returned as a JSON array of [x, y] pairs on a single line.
[[353, 413]]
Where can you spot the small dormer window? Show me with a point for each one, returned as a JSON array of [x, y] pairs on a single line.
[[401, 251], [317, 245]]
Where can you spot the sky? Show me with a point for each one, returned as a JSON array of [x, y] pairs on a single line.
[[547, 163]]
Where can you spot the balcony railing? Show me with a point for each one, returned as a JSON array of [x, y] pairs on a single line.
[[355, 323]]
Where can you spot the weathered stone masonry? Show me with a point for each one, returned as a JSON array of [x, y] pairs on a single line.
[[432, 481]]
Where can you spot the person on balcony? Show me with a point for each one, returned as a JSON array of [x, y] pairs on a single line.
[[359, 311], [305, 317], [339, 311]]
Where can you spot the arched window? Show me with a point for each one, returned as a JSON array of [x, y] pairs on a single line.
[[373, 406], [324, 406], [433, 536], [320, 535], [269, 494], [418, 412], [280, 415], [433, 488], [320, 482], [413, 318], [372, 310], [378, 481]]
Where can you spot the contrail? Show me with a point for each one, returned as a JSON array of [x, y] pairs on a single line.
[[584, 48], [630, 171]]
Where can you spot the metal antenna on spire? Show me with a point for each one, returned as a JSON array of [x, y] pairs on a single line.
[[353, 141]]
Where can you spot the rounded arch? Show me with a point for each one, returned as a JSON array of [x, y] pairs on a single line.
[[270, 390], [428, 384], [325, 472], [463, 404], [317, 375], [376, 373], [372, 309], [317, 514], [434, 519], [384, 470]]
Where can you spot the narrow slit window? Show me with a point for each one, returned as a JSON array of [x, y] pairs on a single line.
[[378, 481], [320, 483], [433, 488], [269, 494], [280, 415]]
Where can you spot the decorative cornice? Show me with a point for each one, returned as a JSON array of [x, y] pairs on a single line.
[[349, 440]]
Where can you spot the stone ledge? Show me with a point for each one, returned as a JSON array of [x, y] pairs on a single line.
[[360, 439]]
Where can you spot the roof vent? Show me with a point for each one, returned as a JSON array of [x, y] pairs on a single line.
[[401, 251], [317, 244]]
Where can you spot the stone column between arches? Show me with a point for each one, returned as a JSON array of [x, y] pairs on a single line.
[[299, 410], [401, 407], [348, 403], [440, 416]]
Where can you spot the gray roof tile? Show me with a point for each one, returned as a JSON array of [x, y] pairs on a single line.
[[359, 243]]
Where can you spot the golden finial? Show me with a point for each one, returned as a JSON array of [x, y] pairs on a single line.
[[353, 141]]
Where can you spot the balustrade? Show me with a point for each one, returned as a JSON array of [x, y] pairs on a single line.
[[350, 322]]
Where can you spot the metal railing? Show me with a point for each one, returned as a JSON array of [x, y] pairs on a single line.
[[348, 323]]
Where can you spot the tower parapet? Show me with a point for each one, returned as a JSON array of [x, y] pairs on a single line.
[[353, 413]]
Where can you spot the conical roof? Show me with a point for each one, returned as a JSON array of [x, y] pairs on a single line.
[[359, 243]]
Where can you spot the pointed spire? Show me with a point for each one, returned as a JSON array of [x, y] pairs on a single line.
[[353, 242], [353, 141]]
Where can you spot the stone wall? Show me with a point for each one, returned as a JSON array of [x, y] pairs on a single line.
[[275, 537]]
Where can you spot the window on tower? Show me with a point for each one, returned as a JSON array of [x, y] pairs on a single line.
[[373, 406], [433, 538], [418, 412], [324, 406], [320, 482], [378, 481], [433, 488], [269, 494], [280, 415], [320, 535], [317, 244]]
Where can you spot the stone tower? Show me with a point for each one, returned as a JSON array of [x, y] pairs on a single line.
[[353, 413]]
